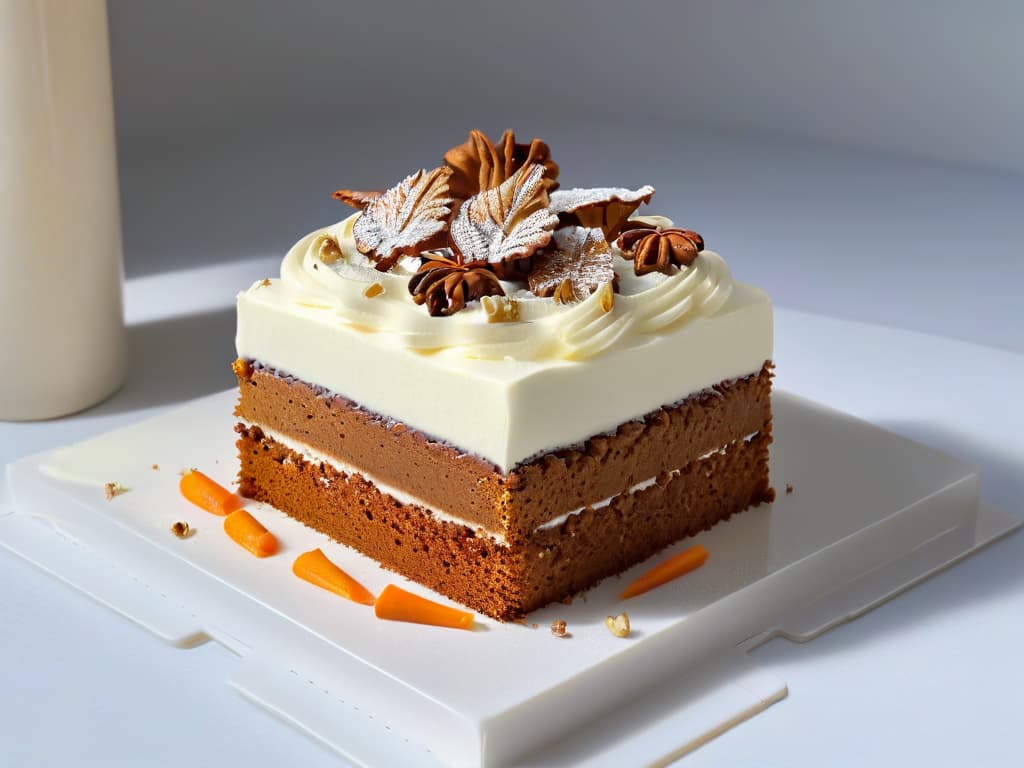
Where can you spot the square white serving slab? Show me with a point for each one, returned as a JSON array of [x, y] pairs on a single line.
[[871, 513]]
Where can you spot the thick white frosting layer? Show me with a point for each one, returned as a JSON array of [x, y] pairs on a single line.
[[503, 391]]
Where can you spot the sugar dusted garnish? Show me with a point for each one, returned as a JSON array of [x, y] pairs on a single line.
[[509, 222], [606, 207], [576, 264], [407, 219]]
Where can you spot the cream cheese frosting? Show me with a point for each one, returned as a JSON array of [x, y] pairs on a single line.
[[553, 375]]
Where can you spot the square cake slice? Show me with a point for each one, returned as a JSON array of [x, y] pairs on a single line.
[[555, 396]]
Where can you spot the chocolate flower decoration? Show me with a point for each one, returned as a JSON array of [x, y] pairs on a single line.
[[579, 264], [479, 165], [606, 207], [407, 219], [660, 250], [445, 285]]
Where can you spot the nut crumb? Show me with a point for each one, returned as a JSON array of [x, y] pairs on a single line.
[[558, 628], [110, 490], [618, 625], [372, 290], [155, 467], [265, 281], [500, 309], [181, 529], [789, 488], [536, 625]]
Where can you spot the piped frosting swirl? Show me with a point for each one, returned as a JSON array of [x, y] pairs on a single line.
[[542, 329]]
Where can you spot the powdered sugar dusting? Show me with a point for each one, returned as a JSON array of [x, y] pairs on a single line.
[[406, 216], [581, 255], [507, 222], [572, 200]]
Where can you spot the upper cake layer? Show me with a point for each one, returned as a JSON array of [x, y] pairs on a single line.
[[509, 377]]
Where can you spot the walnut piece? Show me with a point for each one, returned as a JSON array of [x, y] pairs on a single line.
[[110, 490], [618, 625], [500, 309], [181, 529], [558, 628], [329, 250]]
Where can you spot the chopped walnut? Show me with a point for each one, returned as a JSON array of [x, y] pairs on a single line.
[[500, 309], [329, 250], [618, 625], [265, 282], [155, 467], [558, 628], [110, 490], [181, 529]]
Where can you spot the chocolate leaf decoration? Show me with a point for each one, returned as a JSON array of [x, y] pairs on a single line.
[[445, 286], [408, 218], [479, 165], [511, 221], [604, 207], [577, 265], [357, 198]]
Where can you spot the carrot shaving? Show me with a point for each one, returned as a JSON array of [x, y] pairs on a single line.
[[249, 533], [316, 568], [677, 565], [396, 604], [208, 494]]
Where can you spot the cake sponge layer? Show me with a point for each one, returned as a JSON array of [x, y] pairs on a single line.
[[505, 580]]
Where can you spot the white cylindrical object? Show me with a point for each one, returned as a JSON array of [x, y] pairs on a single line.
[[62, 345]]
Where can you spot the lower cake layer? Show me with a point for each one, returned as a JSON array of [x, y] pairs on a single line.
[[506, 579]]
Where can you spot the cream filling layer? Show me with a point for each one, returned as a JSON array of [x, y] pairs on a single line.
[[314, 456]]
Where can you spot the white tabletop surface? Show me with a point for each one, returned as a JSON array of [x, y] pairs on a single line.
[[934, 677]]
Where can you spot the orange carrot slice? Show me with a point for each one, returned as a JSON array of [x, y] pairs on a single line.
[[208, 494], [248, 532], [315, 568], [684, 562], [396, 604]]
